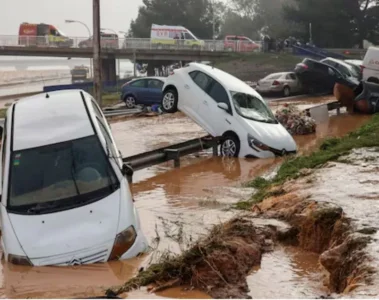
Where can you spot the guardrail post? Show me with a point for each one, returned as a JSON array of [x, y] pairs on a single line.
[[173, 154], [338, 109]]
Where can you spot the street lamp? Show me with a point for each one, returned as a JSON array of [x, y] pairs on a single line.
[[89, 35]]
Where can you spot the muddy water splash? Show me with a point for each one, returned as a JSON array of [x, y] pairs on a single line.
[[176, 205]]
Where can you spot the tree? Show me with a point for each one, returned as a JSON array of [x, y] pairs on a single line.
[[195, 15], [337, 23]]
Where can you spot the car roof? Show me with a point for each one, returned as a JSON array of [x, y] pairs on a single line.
[[150, 77], [341, 62], [40, 120], [230, 82]]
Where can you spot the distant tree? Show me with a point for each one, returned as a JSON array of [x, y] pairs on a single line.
[[195, 15], [235, 24], [337, 23]]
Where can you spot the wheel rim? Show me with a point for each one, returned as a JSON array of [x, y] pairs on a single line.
[[229, 148], [168, 101], [286, 92], [130, 102]]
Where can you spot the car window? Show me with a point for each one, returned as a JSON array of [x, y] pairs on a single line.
[[154, 84], [193, 74], [108, 140], [355, 70], [138, 83], [250, 107], [4, 146], [67, 173], [202, 80], [343, 69], [217, 92], [273, 77], [188, 36], [292, 76], [96, 109]]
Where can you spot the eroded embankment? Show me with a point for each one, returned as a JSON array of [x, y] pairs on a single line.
[[219, 263]]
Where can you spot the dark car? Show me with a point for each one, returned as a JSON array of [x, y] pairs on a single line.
[[142, 91], [316, 76]]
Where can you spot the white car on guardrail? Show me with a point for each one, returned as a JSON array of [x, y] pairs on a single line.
[[65, 199], [227, 107]]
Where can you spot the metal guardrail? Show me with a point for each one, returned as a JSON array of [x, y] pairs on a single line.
[[121, 43]]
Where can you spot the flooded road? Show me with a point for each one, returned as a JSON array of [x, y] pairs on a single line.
[[176, 206]]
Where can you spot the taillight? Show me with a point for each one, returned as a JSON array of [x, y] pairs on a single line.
[[302, 66], [276, 82]]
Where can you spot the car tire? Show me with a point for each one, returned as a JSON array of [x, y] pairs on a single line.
[[373, 80], [286, 91], [130, 101], [230, 146], [170, 101]]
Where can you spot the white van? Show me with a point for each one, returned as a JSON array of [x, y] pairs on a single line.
[[65, 199], [166, 35], [371, 65], [227, 107]]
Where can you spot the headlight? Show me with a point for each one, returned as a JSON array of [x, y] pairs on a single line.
[[124, 240], [254, 143], [19, 260]]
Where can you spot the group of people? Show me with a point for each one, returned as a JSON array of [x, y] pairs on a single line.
[[278, 45]]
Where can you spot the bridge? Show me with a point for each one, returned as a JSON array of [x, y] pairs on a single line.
[[138, 50]]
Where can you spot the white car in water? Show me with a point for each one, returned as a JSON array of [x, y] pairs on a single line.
[[226, 107], [65, 199]]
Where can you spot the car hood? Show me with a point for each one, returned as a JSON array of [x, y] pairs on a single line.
[[272, 135]]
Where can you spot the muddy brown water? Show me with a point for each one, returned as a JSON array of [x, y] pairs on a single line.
[[178, 206]]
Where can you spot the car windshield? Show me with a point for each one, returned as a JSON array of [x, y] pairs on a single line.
[[355, 70], [64, 174], [251, 107]]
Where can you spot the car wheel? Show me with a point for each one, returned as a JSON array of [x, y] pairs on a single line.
[[286, 91], [130, 101], [230, 146], [170, 101], [373, 80]]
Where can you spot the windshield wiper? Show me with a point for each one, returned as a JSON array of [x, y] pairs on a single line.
[[73, 169], [42, 207]]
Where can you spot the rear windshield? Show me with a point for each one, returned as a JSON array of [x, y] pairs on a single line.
[[61, 174], [273, 76]]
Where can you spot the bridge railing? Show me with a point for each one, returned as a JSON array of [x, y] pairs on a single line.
[[121, 43]]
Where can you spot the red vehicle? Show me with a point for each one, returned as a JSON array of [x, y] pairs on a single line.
[[107, 40], [42, 35], [237, 43]]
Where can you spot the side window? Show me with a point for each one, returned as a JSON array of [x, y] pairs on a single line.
[[138, 83], [342, 69], [218, 93], [193, 74], [3, 147], [96, 109], [154, 84], [202, 80], [188, 36], [108, 139], [288, 77], [292, 76]]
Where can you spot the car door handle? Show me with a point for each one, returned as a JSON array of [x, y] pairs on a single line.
[[186, 86]]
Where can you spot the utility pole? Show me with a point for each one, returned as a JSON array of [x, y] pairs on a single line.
[[96, 52]]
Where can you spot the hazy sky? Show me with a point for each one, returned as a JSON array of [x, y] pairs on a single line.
[[115, 14]]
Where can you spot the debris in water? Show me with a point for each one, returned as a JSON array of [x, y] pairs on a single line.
[[295, 121]]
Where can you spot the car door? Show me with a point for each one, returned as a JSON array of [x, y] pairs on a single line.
[[245, 44], [195, 94], [216, 120], [138, 89], [154, 91]]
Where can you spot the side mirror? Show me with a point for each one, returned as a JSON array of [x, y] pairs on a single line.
[[223, 106], [127, 170]]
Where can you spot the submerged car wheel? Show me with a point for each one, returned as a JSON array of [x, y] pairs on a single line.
[[170, 101], [230, 146], [130, 101], [286, 91]]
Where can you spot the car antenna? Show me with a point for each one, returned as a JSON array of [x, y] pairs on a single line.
[[47, 96]]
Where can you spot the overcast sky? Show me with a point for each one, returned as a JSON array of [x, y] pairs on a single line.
[[115, 14]]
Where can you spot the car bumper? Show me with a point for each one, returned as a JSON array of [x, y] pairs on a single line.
[[247, 152], [270, 89]]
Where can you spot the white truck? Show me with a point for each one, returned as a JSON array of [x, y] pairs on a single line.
[[167, 36], [370, 66]]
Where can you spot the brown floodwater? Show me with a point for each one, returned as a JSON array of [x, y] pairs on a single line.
[[178, 206]]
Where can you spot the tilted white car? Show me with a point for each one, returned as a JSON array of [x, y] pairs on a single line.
[[65, 199], [226, 107]]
